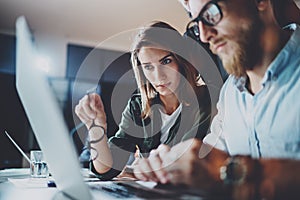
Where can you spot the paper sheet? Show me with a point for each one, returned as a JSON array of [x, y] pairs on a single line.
[[147, 184], [15, 172], [29, 182]]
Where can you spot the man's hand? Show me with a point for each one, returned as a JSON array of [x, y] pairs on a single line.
[[182, 165]]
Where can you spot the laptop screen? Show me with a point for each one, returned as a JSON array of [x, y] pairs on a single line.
[[45, 117]]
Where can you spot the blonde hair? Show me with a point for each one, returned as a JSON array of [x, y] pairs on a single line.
[[161, 35]]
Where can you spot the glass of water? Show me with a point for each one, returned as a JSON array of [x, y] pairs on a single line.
[[38, 166]]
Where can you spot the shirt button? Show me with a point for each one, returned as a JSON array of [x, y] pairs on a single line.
[[274, 78]]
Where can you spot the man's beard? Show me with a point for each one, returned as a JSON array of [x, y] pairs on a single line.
[[235, 64], [246, 52]]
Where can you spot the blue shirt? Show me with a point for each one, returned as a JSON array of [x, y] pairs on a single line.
[[266, 124]]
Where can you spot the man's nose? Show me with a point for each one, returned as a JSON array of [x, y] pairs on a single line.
[[206, 32]]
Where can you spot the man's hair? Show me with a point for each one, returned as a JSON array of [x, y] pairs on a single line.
[[286, 12]]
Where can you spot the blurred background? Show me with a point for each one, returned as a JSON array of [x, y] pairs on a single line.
[[65, 33]]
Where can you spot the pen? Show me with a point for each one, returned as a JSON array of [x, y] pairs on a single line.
[[17, 146], [91, 90], [139, 151], [128, 169]]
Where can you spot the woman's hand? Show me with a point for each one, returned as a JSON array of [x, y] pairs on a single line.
[[90, 109], [151, 168]]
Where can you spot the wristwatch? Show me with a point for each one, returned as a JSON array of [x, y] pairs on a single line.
[[234, 171]]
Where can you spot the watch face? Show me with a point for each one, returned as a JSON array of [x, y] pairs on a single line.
[[233, 172]]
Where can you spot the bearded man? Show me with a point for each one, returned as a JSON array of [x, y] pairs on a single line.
[[253, 149]]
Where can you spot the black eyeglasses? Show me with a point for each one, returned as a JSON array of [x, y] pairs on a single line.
[[210, 15]]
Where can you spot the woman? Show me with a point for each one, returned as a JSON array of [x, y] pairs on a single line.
[[170, 105]]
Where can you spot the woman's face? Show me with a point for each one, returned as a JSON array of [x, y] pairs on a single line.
[[160, 69]]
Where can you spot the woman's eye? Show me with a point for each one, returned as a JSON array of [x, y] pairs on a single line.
[[148, 67], [166, 61]]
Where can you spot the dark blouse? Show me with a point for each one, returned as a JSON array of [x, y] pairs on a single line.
[[193, 122]]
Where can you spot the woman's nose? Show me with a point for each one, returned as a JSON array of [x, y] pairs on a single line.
[[160, 73]]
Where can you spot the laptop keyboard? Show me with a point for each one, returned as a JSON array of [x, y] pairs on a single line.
[[115, 190], [123, 190], [120, 190]]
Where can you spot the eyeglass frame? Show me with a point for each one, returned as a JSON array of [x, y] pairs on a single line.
[[202, 19]]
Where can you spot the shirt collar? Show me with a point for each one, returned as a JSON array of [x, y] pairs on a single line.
[[279, 63], [287, 53], [240, 83]]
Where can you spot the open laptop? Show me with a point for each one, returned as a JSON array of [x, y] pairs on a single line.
[[46, 118], [49, 127]]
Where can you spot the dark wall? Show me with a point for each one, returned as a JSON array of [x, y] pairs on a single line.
[[106, 67], [12, 116], [7, 53], [14, 121]]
